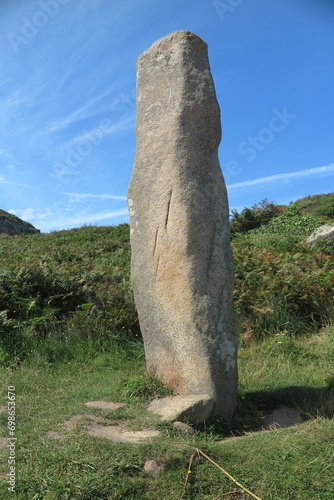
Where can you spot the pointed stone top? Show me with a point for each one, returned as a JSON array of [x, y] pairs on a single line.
[[177, 38], [182, 34]]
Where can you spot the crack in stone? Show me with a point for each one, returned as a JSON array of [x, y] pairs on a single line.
[[155, 242], [157, 268], [168, 208]]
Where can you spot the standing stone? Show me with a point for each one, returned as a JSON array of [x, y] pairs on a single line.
[[181, 267]]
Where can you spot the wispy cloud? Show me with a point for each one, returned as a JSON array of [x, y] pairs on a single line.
[[6, 154], [85, 218], [80, 113], [31, 214], [15, 100], [5, 181], [84, 196], [289, 176], [126, 123]]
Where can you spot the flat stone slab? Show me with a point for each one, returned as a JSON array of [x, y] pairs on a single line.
[[120, 434], [283, 417], [190, 408], [57, 435], [105, 405], [71, 425], [116, 433], [3, 409], [3, 443]]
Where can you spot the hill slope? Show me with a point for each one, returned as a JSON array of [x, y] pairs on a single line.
[[10, 224]]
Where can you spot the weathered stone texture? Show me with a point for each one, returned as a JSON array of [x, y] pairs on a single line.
[[181, 266], [191, 408], [324, 233]]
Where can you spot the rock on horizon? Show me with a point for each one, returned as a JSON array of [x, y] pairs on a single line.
[[11, 225]]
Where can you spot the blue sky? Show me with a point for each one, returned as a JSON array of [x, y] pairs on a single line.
[[67, 100]]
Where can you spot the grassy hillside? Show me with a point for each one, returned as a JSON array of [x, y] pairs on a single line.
[[319, 205], [69, 334], [66, 293]]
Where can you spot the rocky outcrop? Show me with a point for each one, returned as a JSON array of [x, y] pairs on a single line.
[[181, 266], [10, 224], [324, 233]]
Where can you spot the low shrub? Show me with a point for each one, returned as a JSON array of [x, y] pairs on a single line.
[[279, 290]]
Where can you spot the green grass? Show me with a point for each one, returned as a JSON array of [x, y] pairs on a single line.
[[283, 464]]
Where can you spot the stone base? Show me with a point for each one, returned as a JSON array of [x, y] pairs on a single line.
[[194, 409]]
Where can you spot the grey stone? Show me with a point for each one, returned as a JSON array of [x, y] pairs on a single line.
[[183, 427], [194, 409], [323, 233], [181, 265], [152, 468]]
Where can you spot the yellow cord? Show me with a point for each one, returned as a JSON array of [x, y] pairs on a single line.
[[228, 475]]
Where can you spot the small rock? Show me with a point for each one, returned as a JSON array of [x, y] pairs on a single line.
[[105, 405], [183, 427], [193, 409], [283, 417], [152, 468]]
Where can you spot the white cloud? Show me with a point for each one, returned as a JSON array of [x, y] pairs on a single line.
[[289, 176], [4, 181], [31, 214], [97, 134], [15, 100], [6, 154], [83, 196], [79, 220], [79, 114]]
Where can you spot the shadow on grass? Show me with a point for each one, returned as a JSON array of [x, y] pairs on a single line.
[[311, 402]]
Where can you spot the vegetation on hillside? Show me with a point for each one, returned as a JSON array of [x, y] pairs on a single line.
[[319, 205], [67, 293]]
